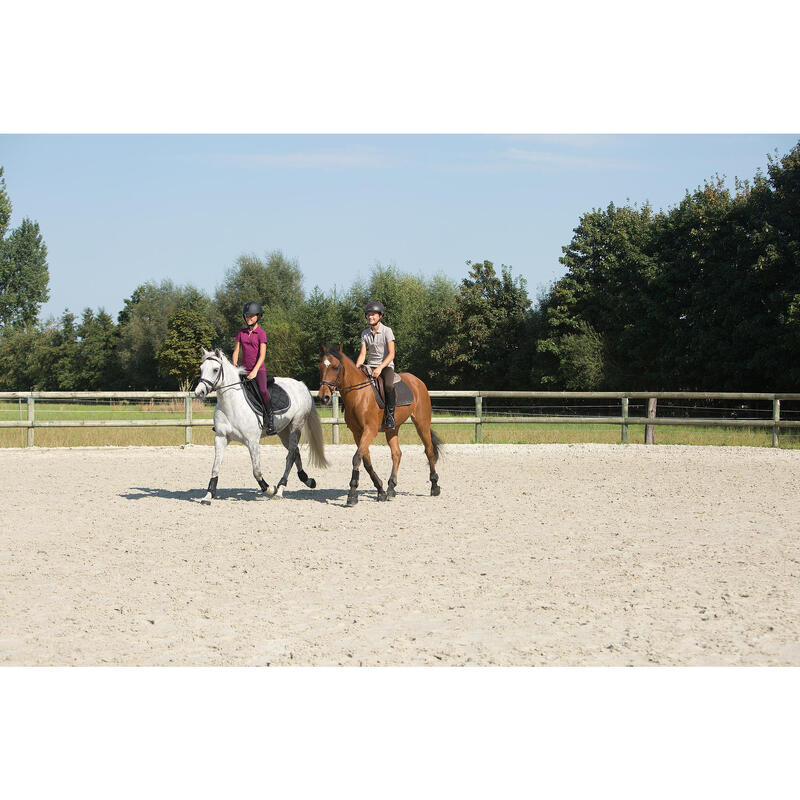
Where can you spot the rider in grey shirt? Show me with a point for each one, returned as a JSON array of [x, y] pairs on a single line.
[[377, 349]]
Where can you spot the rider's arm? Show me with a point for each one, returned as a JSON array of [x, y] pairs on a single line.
[[361, 356], [235, 356], [262, 352]]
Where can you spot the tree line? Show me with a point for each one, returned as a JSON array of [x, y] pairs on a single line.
[[702, 296]]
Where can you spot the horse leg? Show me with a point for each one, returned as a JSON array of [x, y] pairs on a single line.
[[290, 442], [374, 475], [425, 434], [363, 440], [254, 446], [394, 446], [220, 443], [310, 482]]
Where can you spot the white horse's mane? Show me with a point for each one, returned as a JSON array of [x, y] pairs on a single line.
[[226, 362]]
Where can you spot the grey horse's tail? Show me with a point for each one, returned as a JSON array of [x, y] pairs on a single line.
[[313, 430]]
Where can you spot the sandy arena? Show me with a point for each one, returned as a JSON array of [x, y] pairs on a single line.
[[532, 555]]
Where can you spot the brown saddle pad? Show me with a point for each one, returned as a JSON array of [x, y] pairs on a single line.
[[403, 396]]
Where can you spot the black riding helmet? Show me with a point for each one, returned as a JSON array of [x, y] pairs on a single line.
[[250, 309], [375, 307]]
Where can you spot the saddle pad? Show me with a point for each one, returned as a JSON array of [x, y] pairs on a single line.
[[403, 396], [277, 395]]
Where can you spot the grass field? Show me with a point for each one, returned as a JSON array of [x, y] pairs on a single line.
[[492, 432]]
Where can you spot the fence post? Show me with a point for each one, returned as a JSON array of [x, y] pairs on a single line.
[[649, 430], [479, 415], [31, 418], [188, 401], [335, 426], [776, 417], [624, 420]]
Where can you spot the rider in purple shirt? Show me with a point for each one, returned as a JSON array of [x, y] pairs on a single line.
[[251, 342]]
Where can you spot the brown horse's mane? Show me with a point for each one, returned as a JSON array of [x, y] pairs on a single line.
[[333, 350]]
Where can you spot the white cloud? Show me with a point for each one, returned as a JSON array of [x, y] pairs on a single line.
[[543, 158]]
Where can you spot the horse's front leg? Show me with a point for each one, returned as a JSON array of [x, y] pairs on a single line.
[[220, 443], [291, 442], [394, 446], [254, 446], [366, 436]]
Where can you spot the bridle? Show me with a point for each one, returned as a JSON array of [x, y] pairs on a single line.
[[212, 385], [335, 384]]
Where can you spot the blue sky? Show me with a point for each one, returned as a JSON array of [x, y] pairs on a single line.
[[118, 210]]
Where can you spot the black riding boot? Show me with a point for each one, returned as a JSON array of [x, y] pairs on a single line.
[[388, 414], [269, 420]]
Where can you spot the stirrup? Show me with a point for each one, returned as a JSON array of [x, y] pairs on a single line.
[[388, 423]]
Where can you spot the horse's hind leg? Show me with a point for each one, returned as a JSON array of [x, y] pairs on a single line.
[[220, 443], [426, 435], [301, 473], [291, 440], [254, 446], [374, 475]]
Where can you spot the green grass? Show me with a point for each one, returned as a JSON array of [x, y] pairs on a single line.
[[493, 433]]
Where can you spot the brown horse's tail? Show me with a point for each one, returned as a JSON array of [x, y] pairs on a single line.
[[438, 446]]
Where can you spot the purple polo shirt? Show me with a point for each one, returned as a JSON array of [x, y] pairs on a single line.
[[250, 343]]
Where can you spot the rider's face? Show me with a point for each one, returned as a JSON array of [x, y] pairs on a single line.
[[373, 317], [251, 319]]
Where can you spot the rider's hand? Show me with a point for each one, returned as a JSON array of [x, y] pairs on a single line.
[[251, 375], [376, 372]]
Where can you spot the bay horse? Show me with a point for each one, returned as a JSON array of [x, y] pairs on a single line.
[[235, 420], [363, 417]]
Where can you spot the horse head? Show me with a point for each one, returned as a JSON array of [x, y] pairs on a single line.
[[210, 372], [331, 366]]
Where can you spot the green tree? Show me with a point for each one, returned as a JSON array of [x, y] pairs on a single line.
[[275, 282], [603, 303], [24, 275], [143, 328], [187, 332], [98, 361], [482, 329]]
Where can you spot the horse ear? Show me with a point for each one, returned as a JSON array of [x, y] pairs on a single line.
[[322, 349], [204, 352], [339, 347], [217, 352]]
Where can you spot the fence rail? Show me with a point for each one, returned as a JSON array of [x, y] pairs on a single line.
[[478, 419]]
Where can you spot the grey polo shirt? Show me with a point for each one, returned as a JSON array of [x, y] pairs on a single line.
[[377, 345]]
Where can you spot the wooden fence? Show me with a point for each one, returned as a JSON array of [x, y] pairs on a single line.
[[478, 419]]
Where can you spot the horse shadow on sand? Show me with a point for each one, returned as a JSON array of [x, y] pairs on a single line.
[[244, 495]]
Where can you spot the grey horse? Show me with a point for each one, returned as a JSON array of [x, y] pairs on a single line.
[[235, 420]]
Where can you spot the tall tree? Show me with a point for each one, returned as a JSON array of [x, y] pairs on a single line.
[[187, 332], [275, 282], [24, 275], [483, 326], [143, 328]]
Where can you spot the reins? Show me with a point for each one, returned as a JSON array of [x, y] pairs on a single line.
[[212, 386], [335, 384]]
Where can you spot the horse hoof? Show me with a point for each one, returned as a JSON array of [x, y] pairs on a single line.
[[381, 496], [435, 491], [311, 483], [205, 502], [390, 496], [352, 499]]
